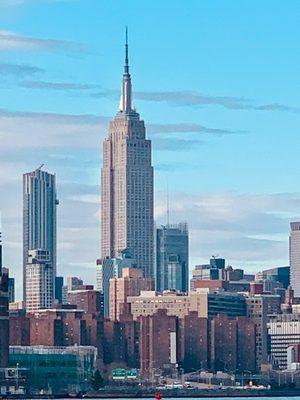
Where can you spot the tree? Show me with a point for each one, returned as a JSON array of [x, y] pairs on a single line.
[[97, 381]]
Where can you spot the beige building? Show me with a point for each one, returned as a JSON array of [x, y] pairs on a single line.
[[39, 280], [127, 185], [131, 284], [178, 304]]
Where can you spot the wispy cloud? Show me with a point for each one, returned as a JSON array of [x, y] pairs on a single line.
[[14, 41], [60, 86], [175, 144], [48, 130], [174, 98], [18, 70], [189, 128], [277, 107], [82, 131], [196, 99], [189, 98], [247, 229]]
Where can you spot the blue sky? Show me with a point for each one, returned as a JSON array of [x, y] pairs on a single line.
[[217, 83]]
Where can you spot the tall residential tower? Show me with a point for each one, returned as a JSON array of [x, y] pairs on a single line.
[[295, 258], [4, 316], [127, 185], [39, 218]]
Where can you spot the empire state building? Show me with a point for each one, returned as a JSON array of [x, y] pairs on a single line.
[[127, 184]]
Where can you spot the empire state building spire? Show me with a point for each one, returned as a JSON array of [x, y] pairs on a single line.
[[127, 185], [126, 100]]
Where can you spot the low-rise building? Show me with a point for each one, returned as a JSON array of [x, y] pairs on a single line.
[[56, 370], [283, 332], [131, 283], [158, 344], [259, 308], [179, 304]]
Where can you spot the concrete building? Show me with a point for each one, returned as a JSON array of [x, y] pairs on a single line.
[[4, 316], [223, 338], [216, 271], [63, 326], [131, 284], [91, 302], [109, 268], [158, 344], [121, 343], [19, 328], [295, 258], [193, 342], [72, 283], [232, 274], [39, 217], [230, 304], [259, 308], [39, 280], [127, 185], [246, 344], [206, 304], [210, 284], [283, 332], [293, 356], [172, 258], [232, 344]]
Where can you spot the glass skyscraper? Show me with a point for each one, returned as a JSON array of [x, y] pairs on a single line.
[[172, 258]]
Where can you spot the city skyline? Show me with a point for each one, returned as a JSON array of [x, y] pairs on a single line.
[[242, 215]]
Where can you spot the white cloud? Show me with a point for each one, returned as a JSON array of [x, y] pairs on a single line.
[[15, 41], [43, 130], [247, 229]]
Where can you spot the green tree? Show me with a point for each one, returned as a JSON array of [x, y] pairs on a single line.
[[97, 381]]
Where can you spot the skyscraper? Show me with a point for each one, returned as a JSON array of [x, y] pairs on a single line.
[[172, 258], [4, 317], [127, 185], [295, 258], [39, 217]]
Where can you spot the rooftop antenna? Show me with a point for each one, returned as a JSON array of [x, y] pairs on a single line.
[[40, 167], [126, 52]]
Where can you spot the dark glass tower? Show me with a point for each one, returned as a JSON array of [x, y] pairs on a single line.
[[172, 258]]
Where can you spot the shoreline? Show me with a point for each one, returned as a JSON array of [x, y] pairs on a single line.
[[200, 393], [171, 393]]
